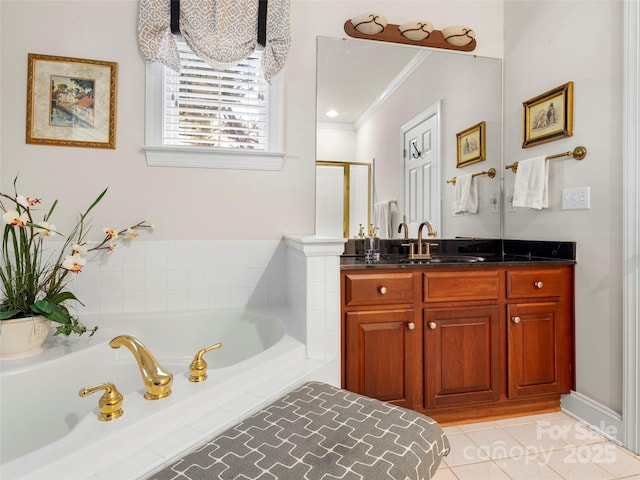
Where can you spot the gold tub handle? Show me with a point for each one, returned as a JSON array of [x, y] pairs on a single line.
[[198, 367], [110, 403]]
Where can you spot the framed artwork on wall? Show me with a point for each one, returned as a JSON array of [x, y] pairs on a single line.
[[548, 116], [71, 102], [471, 145]]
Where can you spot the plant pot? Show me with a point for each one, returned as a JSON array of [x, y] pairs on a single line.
[[23, 337]]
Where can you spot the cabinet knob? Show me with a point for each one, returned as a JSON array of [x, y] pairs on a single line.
[[515, 320], [411, 325], [538, 284], [432, 325], [382, 290]]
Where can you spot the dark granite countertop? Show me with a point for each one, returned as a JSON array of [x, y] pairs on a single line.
[[465, 253]]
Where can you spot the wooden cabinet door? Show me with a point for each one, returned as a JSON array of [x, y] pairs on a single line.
[[539, 345], [462, 355], [383, 355]]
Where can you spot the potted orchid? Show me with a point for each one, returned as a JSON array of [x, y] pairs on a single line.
[[34, 280]]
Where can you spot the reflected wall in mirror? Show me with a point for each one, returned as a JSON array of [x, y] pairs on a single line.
[[375, 89], [343, 198]]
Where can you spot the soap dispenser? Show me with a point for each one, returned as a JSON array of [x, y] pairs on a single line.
[[372, 246]]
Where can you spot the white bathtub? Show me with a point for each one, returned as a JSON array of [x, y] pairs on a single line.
[[48, 431]]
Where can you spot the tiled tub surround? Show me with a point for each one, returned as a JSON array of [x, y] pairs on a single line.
[[294, 280]]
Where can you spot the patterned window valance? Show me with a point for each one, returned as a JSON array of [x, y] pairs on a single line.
[[220, 32]]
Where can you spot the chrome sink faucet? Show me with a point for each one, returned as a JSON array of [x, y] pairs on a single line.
[[157, 381]]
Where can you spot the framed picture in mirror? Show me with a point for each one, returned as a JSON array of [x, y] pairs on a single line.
[[548, 116], [471, 145]]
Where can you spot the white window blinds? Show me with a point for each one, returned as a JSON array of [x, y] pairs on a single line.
[[216, 108]]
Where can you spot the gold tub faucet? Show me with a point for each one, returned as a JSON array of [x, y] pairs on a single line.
[[198, 367], [110, 403], [157, 380]]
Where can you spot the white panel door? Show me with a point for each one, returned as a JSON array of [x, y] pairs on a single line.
[[421, 165]]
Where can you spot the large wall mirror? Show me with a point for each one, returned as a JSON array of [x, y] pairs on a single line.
[[401, 109]]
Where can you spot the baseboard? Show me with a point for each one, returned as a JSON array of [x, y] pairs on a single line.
[[599, 418]]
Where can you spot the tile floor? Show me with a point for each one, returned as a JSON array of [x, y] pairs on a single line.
[[550, 446]]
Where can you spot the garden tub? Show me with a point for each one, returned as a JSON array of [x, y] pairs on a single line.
[[48, 430]]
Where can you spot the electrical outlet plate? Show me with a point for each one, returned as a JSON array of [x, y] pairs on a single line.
[[578, 198]]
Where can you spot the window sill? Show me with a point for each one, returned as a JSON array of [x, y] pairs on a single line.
[[198, 157]]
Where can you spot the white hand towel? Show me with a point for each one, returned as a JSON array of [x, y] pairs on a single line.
[[466, 200], [382, 218], [531, 188]]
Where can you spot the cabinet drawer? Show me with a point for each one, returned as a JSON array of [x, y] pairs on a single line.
[[377, 289], [535, 283], [461, 285]]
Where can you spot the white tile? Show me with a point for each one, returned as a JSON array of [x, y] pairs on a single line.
[[111, 281], [177, 300], [133, 301], [619, 461], [111, 302], [198, 299], [178, 260], [177, 280], [527, 467], [156, 281], [316, 296], [155, 259], [259, 297], [155, 301], [134, 280], [535, 436], [133, 466], [576, 433], [476, 471], [177, 442], [444, 474], [450, 430], [470, 427], [244, 405], [217, 420], [277, 296], [463, 451], [198, 279], [494, 444], [569, 464]]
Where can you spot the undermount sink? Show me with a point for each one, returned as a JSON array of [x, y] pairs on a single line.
[[447, 259], [455, 259]]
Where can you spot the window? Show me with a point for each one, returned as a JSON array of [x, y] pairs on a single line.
[[203, 117]]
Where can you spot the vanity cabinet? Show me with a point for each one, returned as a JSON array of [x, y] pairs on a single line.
[[539, 306], [382, 335], [462, 355], [459, 343], [461, 336]]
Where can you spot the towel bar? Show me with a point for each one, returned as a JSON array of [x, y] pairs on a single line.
[[491, 172], [578, 153]]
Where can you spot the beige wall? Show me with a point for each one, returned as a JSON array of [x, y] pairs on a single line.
[[544, 48], [184, 203]]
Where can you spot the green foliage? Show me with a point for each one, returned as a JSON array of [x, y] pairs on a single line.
[[32, 285]]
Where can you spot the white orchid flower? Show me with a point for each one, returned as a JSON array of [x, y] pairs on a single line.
[[11, 217], [79, 250], [45, 228], [26, 202], [110, 232], [74, 263], [131, 234]]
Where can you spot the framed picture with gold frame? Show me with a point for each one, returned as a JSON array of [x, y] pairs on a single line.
[[548, 116], [471, 145], [71, 102]]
